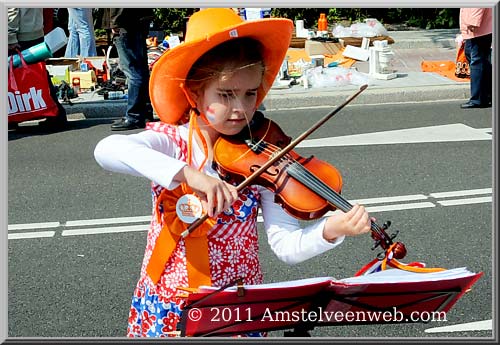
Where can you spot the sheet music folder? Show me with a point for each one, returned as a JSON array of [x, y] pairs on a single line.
[[390, 296]]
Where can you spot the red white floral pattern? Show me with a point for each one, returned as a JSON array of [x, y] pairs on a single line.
[[233, 254]]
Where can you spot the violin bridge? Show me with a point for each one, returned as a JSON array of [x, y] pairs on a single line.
[[256, 146]]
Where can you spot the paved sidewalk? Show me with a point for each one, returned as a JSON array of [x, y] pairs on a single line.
[[415, 39], [412, 85]]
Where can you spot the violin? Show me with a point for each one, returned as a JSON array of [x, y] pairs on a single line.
[[305, 187]]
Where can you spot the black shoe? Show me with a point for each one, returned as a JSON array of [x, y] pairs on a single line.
[[125, 125], [470, 105]]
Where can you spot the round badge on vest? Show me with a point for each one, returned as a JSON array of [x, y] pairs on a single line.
[[189, 208]]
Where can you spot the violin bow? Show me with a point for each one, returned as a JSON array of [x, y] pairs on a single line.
[[278, 156]]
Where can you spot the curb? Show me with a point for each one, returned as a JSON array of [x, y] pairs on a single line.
[[312, 98], [98, 109], [370, 96]]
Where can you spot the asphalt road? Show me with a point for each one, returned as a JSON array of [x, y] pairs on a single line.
[[71, 279]]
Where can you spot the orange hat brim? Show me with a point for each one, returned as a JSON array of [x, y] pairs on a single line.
[[171, 69]]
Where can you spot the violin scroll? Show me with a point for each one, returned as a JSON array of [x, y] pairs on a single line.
[[381, 238]]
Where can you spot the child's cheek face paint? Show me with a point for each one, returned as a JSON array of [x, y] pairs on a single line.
[[210, 113]]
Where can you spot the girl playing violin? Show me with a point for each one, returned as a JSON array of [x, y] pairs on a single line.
[[208, 86]]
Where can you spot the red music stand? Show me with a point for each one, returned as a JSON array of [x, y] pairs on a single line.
[[305, 304]]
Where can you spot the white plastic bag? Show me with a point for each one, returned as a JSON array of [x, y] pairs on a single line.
[[371, 28], [376, 27], [341, 31], [319, 77]]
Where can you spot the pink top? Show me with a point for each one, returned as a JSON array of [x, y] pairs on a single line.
[[481, 18]]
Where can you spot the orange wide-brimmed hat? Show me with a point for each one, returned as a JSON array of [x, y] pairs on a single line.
[[205, 30]]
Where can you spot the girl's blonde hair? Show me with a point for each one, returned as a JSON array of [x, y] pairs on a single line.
[[224, 59]]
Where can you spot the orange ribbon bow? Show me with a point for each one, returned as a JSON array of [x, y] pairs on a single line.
[[198, 267]]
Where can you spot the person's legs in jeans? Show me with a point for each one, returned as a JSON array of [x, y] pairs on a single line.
[[85, 27], [132, 53], [477, 52], [484, 43], [81, 27], [73, 45]]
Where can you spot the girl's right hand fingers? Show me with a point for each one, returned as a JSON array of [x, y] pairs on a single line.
[[231, 194], [221, 200], [226, 196], [210, 204]]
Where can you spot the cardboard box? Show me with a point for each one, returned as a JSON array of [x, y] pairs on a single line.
[[60, 68], [356, 53], [322, 48], [87, 79], [58, 73], [73, 63]]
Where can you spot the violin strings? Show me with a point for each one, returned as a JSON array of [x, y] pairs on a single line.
[[309, 179], [306, 177], [316, 183]]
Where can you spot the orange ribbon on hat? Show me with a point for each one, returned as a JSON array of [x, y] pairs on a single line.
[[196, 242]]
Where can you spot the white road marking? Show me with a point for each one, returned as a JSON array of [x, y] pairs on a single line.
[[26, 235], [385, 200], [107, 230], [400, 207], [461, 193], [104, 221], [468, 201], [486, 325], [398, 203], [28, 226], [444, 133]]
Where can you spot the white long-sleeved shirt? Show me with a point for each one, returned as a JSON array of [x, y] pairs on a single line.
[[150, 154]]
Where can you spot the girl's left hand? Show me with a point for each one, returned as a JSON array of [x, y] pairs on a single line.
[[353, 223]]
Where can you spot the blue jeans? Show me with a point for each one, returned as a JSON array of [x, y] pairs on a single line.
[[477, 52], [81, 39], [132, 53]]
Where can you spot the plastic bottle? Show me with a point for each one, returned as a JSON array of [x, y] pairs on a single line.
[[115, 95], [322, 22]]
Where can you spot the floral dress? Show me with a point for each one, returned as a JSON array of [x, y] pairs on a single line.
[[233, 253]]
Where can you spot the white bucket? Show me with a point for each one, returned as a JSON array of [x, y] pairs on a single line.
[[299, 25]]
